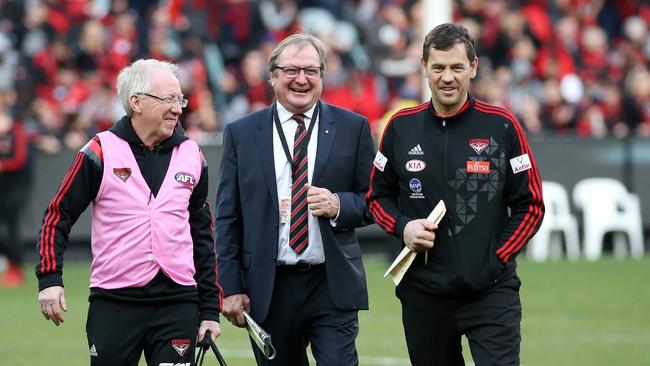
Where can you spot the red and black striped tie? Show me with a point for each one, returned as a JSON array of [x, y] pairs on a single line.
[[299, 235]]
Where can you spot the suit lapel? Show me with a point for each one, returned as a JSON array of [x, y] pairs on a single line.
[[264, 143], [326, 133]]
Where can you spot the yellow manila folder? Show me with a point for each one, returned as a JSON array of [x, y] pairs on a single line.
[[403, 261]]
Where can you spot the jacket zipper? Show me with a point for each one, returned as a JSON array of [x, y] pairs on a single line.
[[444, 192], [446, 185], [444, 182]]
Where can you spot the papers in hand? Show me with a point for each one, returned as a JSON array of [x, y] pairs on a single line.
[[261, 338], [403, 261]]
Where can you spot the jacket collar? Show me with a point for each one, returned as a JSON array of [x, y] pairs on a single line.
[[124, 130]]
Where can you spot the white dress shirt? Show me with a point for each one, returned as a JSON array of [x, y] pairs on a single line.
[[314, 253]]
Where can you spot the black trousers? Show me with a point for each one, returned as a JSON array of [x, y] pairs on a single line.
[[302, 313], [118, 332], [433, 326], [12, 205]]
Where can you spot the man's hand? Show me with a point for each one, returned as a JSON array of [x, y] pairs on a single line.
[[233, 308], [53, 304], [322, 202], [419, 235], [212, 326]]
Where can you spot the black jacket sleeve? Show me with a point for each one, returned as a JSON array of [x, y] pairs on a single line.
[[382, 198], [78, 188], [205, 263], [523, 193]]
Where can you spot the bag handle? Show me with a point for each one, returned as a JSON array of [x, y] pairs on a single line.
[[203, 346]]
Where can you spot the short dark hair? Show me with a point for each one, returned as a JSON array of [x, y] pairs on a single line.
[[445, 36]]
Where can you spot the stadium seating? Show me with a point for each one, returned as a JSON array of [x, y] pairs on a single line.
[[608, 207], [558, 226]]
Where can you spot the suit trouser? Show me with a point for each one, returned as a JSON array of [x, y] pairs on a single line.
[[119, 331], [433, 326], [302, 313]]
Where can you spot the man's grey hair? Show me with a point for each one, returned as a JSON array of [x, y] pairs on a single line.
[[135, 78], [300, 40]]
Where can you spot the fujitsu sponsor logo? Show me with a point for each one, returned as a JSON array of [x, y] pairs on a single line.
[[479, 167]]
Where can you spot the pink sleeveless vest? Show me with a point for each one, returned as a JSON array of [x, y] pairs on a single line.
[[133, 235]]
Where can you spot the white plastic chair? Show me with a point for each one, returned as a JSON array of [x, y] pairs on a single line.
[[558, 225], [607, 206]]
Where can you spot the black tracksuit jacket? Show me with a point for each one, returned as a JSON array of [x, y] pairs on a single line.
[[79, 188], [464, 160]]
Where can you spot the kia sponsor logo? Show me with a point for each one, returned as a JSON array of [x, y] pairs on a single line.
[[415, 165]]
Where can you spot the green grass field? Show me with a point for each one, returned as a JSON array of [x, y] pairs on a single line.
[[584, 313]]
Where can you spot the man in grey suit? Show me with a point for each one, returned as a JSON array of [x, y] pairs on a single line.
[[292, 185]]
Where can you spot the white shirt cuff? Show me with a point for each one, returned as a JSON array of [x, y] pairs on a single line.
[[333, 221]]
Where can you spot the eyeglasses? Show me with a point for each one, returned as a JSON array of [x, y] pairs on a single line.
[[293, 71], [168, 100]]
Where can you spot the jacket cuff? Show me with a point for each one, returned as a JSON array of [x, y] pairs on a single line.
[[209, 314], [50, 279], [400, 225]]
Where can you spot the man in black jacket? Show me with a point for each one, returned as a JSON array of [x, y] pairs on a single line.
[[475, 158], [153, 282]]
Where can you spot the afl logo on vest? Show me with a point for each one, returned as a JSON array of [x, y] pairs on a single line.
[[185, 179]]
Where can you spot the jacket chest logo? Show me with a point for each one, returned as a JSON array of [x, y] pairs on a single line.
[[122, 173], [477, 167], [479, 145], [186, 179], [415, 165]]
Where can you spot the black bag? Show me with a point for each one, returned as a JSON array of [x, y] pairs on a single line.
[[202, 349]]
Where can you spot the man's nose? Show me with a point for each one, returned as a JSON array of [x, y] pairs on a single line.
[[302, 76], [176, 108], [447, 75]]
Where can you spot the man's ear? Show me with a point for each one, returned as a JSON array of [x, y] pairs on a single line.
[[134, 101], [473, 68], [423, 62]]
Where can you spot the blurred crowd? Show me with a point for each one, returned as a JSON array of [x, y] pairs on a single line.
[[573, 67]]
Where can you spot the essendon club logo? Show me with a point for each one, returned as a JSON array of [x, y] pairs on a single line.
[[185, 179], [122, 173], [479, 145], [181, 345], [479, 167]]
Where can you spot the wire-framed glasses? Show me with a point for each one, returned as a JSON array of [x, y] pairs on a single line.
[[293, 71], [168, 99]]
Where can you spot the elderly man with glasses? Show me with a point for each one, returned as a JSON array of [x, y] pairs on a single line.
[[153, 282], [291, 193]]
